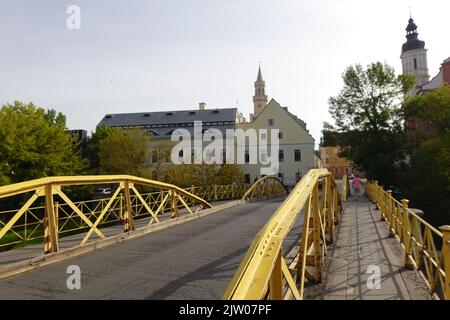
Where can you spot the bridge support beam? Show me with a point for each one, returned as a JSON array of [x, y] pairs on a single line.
[[128, 214], [51, 222]]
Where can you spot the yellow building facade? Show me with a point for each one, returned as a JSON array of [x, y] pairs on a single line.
[[338, 166], [296, 145]]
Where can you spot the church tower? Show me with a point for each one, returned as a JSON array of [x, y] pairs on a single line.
[[259, 99], [414, 57]]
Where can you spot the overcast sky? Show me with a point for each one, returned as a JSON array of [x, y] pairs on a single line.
[[145, 55]]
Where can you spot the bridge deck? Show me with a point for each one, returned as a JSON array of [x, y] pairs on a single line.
[[197, 259], [363, 241], [194, 260]]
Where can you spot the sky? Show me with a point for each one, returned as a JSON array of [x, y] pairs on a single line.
[[145, 55]]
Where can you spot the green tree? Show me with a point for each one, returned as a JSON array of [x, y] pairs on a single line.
[[203, 174], [92, 150], [368, 116], [427, 181], [125, 151], [34, 144], [433, 106]]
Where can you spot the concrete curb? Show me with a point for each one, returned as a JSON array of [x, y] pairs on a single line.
[[44, 260]]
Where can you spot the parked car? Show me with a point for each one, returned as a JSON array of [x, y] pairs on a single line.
[[105, 191], [101, 193]]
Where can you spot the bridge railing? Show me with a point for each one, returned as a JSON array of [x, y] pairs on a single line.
[[265, 187], [219, 192], [266, 272], [427, 249], [59, 216]]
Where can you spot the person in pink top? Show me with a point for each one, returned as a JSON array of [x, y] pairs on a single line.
[[356, 184]]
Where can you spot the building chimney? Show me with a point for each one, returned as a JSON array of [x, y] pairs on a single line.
[[202, 106]]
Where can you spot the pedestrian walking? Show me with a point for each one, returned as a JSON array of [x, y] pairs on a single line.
[[356, 184]]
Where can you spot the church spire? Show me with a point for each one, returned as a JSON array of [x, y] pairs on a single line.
[[260, 78], [259, 99]]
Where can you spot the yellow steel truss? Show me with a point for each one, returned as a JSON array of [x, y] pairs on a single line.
[[264, 273], [265, 187], [32, 223], [55, 219]]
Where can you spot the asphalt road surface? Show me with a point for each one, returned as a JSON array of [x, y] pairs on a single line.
[[195, 260]]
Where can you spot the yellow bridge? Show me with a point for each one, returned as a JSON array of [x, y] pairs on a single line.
[[153, 240]]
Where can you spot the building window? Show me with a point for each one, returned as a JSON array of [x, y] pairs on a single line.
[[415, 63], [336, 171], [281, 155], [297, 155], [270, 122], [263, 136], [280, 176], [247, 157], [247, 178], [346, 170], [280, 135]]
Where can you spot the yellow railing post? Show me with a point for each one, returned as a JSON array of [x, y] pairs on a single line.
[[173, 197], [276, 280], [121, 207], [390, 212], [51, 240], [376, 195], [446, 257], [330, 209], [57, 220], [316, 234], [128, 216], [336, 205], [406, 234]]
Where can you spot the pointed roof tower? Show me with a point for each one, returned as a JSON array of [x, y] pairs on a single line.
[[412, 39], [259, 78], [259, 99]]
